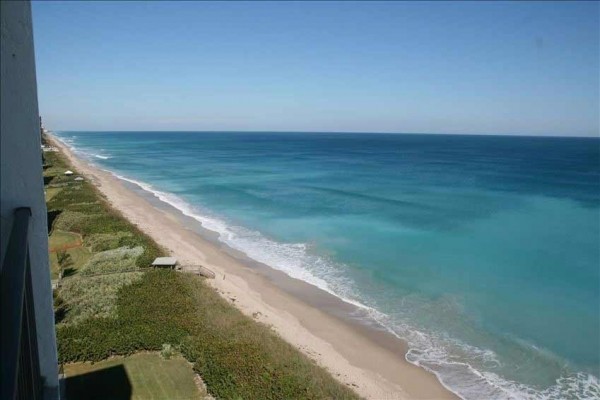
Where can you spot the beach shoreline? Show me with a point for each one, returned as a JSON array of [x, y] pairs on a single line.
[[369, 360]]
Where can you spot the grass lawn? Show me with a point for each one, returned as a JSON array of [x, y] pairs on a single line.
[[62, 238], [141, 376], [79, 254], [51, 192]]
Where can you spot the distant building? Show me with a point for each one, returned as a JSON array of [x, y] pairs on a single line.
[[69, 172], [165, 262], [78, 179]]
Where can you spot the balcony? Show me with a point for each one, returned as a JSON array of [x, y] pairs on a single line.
[[21, 378]]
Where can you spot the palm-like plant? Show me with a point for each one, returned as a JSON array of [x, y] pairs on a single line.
[[64, 261]]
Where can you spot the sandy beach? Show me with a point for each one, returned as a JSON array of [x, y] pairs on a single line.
[[370, 361]]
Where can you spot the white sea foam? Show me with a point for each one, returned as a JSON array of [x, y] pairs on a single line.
[[426, 350], [88, 155], [70, 143]]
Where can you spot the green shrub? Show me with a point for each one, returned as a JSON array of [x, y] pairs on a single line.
[[72, 194], [64, 259], [120, 259], [167, 351], [147, 313], [149, 255], [126, 238], [88, 208], [106, 241], [95, 339], [104, 223], [93, 296], [151, 249], [71, 221]]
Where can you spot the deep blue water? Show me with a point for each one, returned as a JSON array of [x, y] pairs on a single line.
[[482, 251]]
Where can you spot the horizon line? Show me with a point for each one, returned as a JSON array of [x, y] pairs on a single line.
[[597, 136]]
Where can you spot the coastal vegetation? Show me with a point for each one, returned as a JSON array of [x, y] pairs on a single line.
[[110, 303]]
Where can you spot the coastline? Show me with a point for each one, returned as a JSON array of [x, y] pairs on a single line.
[[370, 361]]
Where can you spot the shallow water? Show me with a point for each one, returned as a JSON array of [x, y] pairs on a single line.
[[481, 251]]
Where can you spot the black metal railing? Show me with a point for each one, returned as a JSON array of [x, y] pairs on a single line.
[[21, 377]]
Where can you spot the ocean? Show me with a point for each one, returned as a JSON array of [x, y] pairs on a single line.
[[482, 252]]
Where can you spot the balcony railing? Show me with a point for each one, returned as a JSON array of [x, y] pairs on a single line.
[[21, 377]]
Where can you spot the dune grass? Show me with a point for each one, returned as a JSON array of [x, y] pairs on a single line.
[[114, 260]]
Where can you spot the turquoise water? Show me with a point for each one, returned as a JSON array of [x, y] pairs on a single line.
[[483, 252]]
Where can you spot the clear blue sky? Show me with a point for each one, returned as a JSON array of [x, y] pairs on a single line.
[[446, 67]]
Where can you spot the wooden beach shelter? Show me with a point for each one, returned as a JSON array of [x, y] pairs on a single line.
[[165, 262]]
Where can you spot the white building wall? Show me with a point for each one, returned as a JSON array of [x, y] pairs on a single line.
[[21, 182]]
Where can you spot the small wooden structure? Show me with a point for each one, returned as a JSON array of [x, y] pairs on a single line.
[[68, 172], [199, 270], [165, 262]]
